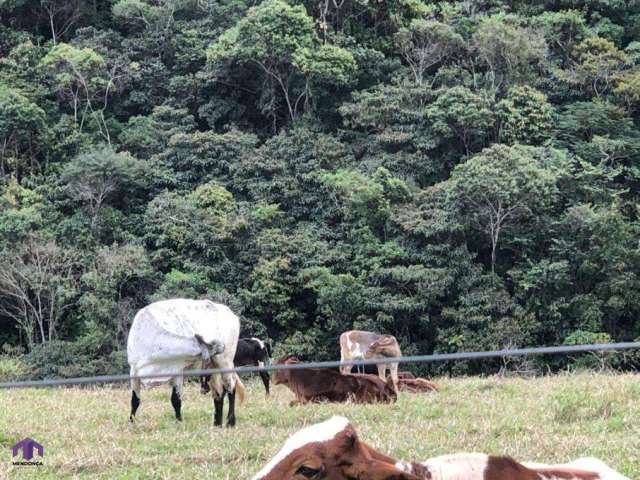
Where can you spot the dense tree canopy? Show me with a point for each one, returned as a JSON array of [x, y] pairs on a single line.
[[463, 175]]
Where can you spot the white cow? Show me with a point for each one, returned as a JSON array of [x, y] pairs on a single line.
[[178, 334]]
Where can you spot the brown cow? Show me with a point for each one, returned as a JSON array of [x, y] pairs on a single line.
[[360, 345], [331, 450], [321, 384], [416, 385], [407, 382]]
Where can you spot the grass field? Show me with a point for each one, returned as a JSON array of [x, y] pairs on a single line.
[[551, 419]]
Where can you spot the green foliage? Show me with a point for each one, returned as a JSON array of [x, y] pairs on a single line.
[[598, 62], [22, 128], [73, 68], [427, 43], [463, 175], [12, 369], [525, 116], [508, 51], [102, 176], [280, 40], [269, 33], [463, 116], [503, 184], [326, 64]]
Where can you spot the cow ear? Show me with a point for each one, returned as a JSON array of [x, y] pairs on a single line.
[[350, 437]]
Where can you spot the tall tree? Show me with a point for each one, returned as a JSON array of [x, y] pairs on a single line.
[[502, 185]]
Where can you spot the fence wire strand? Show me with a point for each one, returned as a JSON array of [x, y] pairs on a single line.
[[438, 357]]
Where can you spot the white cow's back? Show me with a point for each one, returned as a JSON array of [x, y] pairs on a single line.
[[161, 339]]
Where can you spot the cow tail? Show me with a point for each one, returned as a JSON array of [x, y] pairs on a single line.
[[240, 389]]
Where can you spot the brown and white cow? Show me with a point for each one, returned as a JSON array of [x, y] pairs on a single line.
[[360, 345], [322, 384], [332, 450]]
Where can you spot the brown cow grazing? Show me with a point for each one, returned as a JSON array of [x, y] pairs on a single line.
[[360, 345], [321, 384], [331, 450]]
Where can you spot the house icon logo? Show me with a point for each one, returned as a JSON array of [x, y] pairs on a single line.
[[28, 445]]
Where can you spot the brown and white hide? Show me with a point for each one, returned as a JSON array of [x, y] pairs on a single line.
[[332, 450], [478, 466]]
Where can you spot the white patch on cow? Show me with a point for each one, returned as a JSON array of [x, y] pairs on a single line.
[[260, 363], [320, 432], [587, 464], [404, 466], [467, 466], [260, 342], [354, 348]]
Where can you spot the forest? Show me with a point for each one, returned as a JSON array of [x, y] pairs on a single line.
[[462, 174]]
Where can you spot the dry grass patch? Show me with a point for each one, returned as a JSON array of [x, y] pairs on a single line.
[[553, 419]]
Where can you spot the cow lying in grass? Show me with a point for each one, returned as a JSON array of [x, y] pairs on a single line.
[[321, 384], [407, 382], [332, 450]]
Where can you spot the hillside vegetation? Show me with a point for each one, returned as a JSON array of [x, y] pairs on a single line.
[[463, 175], [547, 419]]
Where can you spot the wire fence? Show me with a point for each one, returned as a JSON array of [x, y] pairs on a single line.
[[438, 357]]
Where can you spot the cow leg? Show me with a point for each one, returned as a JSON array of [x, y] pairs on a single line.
[[382, 371], [231, 416], [393, 368], [204, 384], [135, 398], [176, 394], [218, 403], [265, 379], [344, 370]]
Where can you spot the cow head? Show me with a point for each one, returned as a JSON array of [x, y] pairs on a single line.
[[331, 450], [262, 351], [386, 346], [281, 377]]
